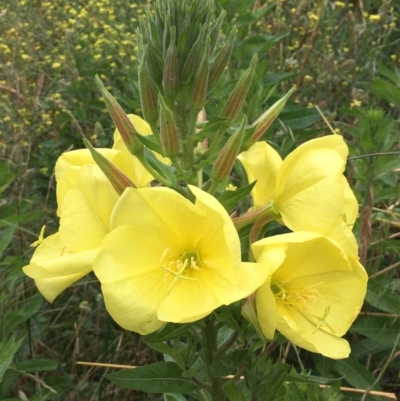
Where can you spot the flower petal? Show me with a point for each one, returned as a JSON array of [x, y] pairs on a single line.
[[132, 280], [163, 213], [310, 193], [262, 163], [86, 210], [54, 268], [301, 332]]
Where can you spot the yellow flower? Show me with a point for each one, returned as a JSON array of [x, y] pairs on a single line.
[[169, 260], [308, 188], [65, 257], [314, 294], [85, 200]]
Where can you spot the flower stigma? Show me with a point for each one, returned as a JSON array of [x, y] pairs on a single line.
[[179, 265], [301, 301]]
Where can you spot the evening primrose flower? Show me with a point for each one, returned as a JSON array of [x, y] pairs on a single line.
[[65, 257], [169, 260], [314, 294], [308, 188]]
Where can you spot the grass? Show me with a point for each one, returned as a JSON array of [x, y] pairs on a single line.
[[343, 56]]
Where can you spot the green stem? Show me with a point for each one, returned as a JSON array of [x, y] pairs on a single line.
[[214, 187], [210, 341]]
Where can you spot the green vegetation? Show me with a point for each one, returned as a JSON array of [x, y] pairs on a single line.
[[344, 59]]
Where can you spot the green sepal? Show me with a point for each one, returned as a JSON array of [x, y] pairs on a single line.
[[116, 177]]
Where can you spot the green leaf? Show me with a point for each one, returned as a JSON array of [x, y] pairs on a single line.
[[42, 396], [385, 90], [230, 199], [6, 177], [168, 332], [234, 392], [174, 397], [212, 126], [273, 380], [6, 237], [150, 143], [299, 118], [16, 317], [37, 365], [308, 379], [355, 373], [227, 364], [7, 352], [293, 393], [382, 298], [161, 377], [378, 328]]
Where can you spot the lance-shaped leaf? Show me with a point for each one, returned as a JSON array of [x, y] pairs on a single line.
[[228, 154], [122, 121], [116, 177], [264, 121], [236, 98]]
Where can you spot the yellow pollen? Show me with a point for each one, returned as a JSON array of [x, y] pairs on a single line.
[[177, 266], [301, 300]]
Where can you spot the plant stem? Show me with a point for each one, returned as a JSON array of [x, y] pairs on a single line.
[[210, 342]]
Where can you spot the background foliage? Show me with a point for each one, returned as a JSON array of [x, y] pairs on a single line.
[[344, 58]]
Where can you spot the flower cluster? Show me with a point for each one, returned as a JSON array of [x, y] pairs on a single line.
[[170, 252], [161, 258]]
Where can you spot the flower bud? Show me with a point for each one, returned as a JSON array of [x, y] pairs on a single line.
[[148, 97], [236, 98], [227, 156], [121, 120], [168, 132], [221, 61], [194, 56], [171, 74], [215, 30], [200, 85], [116, 177], [264, 121]]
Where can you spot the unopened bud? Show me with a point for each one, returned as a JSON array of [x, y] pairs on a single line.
[[121, 120], [236, 98], [193, 57], [168, 132], [116, 177], [221, 61], [148, 97], [228, 154], [264, 121], [249, 313], [200, 85], [215, 30], [171, 73]]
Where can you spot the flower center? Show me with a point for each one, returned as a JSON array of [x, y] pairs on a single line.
[[179, 265], [302, 300]]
